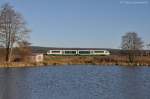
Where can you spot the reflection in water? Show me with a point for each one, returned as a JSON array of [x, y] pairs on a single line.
[[75, 82], [135, 82], [11, 85]]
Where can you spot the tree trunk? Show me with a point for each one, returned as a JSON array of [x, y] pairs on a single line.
[[7, 54], [131, 56], [11, 51]]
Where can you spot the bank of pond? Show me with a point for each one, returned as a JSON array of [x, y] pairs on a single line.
[[81, 60]]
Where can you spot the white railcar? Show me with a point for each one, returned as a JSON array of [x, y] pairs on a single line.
[[78, 52], [100, 52], [54, 52]]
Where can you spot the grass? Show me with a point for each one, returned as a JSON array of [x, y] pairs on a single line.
[[74, 60], [97, 60]]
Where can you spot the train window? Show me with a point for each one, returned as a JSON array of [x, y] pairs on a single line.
[[70, 52], [84, 52], [55, 51], [98, 51]]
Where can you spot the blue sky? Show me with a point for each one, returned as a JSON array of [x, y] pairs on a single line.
[[84, 23]]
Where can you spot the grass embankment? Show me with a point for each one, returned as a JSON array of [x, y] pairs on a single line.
[[95, 60], [75, 60]]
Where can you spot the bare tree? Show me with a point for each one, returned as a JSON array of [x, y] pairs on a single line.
[[24, 50], [132, 43], [12, 29]]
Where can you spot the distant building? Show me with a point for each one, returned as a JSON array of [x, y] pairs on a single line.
[[36, 57]]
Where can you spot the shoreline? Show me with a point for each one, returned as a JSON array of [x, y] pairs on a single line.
[[23, 65], [80, 60], [32, 65]]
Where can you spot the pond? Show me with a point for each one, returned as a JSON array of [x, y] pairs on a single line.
[[75, 82]]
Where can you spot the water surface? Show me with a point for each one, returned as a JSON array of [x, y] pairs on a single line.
[[75, 82]]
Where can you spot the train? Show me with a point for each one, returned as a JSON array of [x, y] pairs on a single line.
[[78, 52]]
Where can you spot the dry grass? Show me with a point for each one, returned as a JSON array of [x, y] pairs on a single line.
[[94, 60], [98, 60], [19, 64]]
